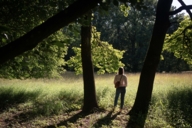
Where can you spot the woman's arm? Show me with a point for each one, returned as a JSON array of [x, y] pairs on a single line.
[[115, 79], [126, 82]]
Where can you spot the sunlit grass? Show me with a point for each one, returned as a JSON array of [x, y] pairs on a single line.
[[170, 107]]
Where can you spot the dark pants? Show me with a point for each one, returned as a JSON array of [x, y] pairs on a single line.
[[122, 91]]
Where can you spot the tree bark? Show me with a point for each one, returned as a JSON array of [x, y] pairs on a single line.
[[32, 38], [90, 102], [145, 87]]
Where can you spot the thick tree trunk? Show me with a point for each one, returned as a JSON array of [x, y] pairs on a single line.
[[32, 38], [145, 88], [90, 102]]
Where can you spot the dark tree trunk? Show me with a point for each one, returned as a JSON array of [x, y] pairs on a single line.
[[32, 38], [145, 88], [90, 102]]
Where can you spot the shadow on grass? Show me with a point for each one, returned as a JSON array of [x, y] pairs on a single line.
[[180, 107], [72, 119], [106, 120], [13, 96], [20, 118], [136, 120]]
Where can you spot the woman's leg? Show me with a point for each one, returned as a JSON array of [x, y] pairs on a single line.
[[118, 91], [123, 91]]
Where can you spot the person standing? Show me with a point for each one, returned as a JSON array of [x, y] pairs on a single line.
[[122, 87]]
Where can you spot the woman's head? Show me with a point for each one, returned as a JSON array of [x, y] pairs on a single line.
[[121, 71]]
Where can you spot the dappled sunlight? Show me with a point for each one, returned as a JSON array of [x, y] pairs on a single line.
[[58, 102]]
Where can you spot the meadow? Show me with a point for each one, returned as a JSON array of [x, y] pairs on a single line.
[[57, 103]]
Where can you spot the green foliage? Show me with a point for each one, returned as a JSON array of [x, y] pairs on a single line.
[[124, 5], [180, 41], [136, 3], [124, 9], [47, 58], [169, 63], [105, 57]]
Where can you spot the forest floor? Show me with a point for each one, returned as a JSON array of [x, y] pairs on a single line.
[[73, 119]]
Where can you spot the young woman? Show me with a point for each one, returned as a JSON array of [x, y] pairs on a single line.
[[122, 88]]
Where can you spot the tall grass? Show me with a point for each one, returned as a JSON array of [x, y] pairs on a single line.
[[171, 104], [171, 101]]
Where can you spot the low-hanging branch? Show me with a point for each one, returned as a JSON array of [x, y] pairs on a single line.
[[51, 25]]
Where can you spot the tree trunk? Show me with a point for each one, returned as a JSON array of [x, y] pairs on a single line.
[[90, 102], [53, 24], [145, 88]]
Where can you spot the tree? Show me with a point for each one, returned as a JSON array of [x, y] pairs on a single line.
[[153, 56], [145, 88], [90, 102]]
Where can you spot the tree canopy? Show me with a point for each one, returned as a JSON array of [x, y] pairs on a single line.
[[180, 42]]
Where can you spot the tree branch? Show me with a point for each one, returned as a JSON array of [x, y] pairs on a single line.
[[183, 6], [180, 9], [188, 10]]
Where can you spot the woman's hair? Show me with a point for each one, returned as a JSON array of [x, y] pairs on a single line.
[[121, 71]]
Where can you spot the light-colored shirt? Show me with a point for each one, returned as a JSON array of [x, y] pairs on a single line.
[[123, 78]]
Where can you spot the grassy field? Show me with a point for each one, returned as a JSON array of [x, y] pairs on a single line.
[[51, 103]]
